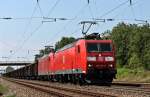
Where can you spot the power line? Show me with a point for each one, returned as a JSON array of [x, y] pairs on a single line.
[[90, 10], [6, 44], [41, 12], [68, 23], [113, 9], [66, 18], [29, 23], [25, 31], [108, 12], [24, 42], [88, 1], [27, 18], [51, 10], [130, 2], [36, 28], [131, 6]]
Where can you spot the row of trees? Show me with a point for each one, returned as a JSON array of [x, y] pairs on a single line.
[[64, 41], [132, 44]]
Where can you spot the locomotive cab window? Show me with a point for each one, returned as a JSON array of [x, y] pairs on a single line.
[[99, 47], [104, 47], [92, 47]]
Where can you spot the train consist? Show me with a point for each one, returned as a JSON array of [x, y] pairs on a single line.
[[83, 61]]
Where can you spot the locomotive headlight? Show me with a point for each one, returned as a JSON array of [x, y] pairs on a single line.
[[91, 58], [90, 65], [109, 59], [110, 65]]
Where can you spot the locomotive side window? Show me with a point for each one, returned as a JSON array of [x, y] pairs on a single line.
[[99, 47], [78, 49]]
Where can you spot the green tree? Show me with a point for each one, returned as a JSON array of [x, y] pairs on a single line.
[[134, 61], [120, 35], [64, 41], [132, 44], [145, 46], [106, 35]]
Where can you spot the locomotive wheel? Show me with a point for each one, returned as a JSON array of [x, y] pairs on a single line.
[[74, 79], [59, 78], [52, 78], [81, 81], [66, 78], [62, 78]]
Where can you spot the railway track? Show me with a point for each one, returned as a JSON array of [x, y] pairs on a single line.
[[135, 87], [59, 91], [136, 84], [128, 88]]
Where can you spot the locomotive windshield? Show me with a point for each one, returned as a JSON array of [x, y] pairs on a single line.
[[99, 47]]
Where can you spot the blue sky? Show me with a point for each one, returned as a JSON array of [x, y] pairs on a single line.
[[20, 39]]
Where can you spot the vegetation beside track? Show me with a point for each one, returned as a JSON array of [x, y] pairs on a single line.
[[133, 75], [4, 91], [132, 44], [11, 96]]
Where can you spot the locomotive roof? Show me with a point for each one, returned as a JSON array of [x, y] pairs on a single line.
[[44, 56], [102, 41], [67, 46], [72, 44]]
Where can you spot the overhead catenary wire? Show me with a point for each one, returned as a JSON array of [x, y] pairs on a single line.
[[113, 9], [29, 22], [42, 17], [130, 2], [23, 43], [53, 7], [68, 23], [24, 32], [118, 6], [50, 11], [38, 18], [90, 11], [131, 5], [132, 9], [30, 19], [108, 12], [88, 1], [41, 12]]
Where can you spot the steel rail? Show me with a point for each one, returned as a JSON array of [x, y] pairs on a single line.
[[41, 89], [81, 92]]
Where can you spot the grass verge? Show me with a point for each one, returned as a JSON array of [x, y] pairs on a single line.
[[133, 75], [11, 96], [4, 90]]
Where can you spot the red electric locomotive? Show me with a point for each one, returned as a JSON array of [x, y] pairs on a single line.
[[91, 61], [84, 61]]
